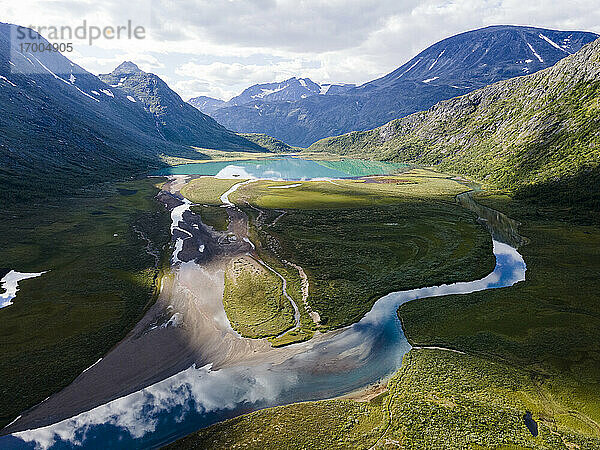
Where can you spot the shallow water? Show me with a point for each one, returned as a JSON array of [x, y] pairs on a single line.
[[346, 360], [352, 358], [285, 168]]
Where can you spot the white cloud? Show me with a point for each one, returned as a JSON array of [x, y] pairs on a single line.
[[219, 47]]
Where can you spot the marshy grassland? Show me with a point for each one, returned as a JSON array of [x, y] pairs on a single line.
[[419, 185], [358, 240], [547, 326], [266, 250], [254, 300], [103, 250], [207, 190]]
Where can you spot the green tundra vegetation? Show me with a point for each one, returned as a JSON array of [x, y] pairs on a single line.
[[102, 252], [418, 185], [268, 142], [213, 216], [438, 399], [254, 300], [536, 136], [266, 251], [548, 326], [207, 190], [358, 240]]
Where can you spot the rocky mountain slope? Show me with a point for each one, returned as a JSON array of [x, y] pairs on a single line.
[[536, 134], [176, 120], [449, 68], [290, 90], [61, 127]]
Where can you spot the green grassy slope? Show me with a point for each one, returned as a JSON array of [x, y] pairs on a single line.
[[269, 142], [100, 280], [535, 135]]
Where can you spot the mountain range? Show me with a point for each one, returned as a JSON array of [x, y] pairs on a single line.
[[290, 90], [537, 135], [294, 112], [60, 121]]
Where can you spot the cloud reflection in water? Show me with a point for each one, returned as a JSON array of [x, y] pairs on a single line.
[[349, 359]]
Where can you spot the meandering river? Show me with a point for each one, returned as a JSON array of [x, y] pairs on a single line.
[[337, 363]]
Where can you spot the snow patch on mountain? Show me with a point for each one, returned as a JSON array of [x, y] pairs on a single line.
[[8, 81], [535, 53], [414, 64], [61, 79], [552, 43], [266, 92], [436, 60]]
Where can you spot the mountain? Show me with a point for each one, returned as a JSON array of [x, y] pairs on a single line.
[[537, 135], [61, 127], [286, 91], [449, 68], [268, 142], [290, 90], [176, 120], [206, 104]]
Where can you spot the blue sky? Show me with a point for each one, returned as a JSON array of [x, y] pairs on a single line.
[[219, 47]]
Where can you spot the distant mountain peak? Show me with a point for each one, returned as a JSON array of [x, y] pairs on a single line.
[[175, 120], [287, 91], [126, 67]]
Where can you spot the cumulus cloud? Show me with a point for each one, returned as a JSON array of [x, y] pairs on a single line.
[[219, 47]]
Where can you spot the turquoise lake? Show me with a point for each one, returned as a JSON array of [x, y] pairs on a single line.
[[286, 168]]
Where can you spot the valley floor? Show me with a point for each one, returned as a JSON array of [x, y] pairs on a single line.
[[531, 348], [528, 348], [188, 325]]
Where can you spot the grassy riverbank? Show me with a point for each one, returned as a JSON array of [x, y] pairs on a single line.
[[100, 280], [548, 325], [254, 301], [438, 399], [207, 190]]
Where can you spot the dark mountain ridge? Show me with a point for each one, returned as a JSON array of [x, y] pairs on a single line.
[[61, 127], [176, 120], [449, 68]]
